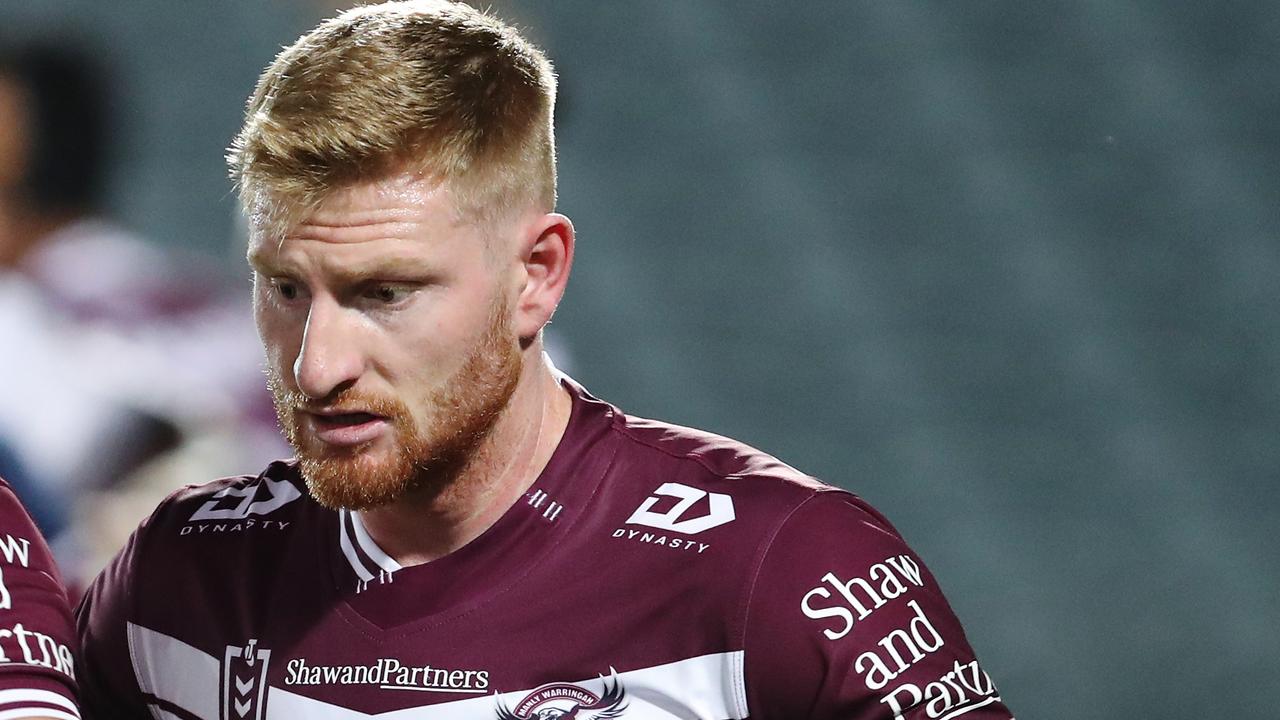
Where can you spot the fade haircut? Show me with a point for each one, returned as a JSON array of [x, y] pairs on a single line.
[[428, 86]]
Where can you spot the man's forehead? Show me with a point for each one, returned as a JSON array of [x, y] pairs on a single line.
[[397, 196], [393, 219]]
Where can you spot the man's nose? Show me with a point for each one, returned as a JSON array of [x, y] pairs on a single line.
[[330, 357]]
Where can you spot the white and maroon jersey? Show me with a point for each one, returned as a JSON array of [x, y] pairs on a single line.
[[651, 571], [37, 673]]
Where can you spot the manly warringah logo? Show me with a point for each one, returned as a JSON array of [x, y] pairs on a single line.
[[257, 498], [719, 512], [565, 701], [244, 682]]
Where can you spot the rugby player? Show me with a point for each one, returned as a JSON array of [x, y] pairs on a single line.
[[37, 662], [466, 532]]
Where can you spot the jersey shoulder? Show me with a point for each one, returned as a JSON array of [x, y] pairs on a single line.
[[37, 675], [205, 551], [13, 515], [269, 495], [695, 483], [707, 460], [222, 523]]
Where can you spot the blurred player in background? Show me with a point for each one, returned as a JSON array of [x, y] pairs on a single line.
[[114, 330], [37, 660], [466, 532], [52, 140]]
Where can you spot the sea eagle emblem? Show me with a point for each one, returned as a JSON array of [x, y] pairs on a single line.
[[565, 701]]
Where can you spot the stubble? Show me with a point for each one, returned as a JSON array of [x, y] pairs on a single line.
[[427, 458]]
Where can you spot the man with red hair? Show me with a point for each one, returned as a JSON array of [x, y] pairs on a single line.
[[466, 532]]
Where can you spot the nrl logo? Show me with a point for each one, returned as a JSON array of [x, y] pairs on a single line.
[[244, 682], [565, 701]]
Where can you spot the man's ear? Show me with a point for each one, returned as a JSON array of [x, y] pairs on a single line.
[[546, 255]]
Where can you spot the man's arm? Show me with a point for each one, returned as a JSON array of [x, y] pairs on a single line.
[[844, 621], [108, 687], [37, 665]]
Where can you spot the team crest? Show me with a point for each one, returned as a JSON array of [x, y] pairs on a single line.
[[244, 682], [565, 701]]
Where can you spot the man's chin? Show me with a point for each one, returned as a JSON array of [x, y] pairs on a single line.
[[354, 481]]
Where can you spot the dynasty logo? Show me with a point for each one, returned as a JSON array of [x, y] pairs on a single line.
[[566, 701], [681, 518], [255, 498], [677, 518]]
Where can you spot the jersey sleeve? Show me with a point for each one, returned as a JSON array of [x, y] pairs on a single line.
[[108, 687], [37, 661], [844, 621]]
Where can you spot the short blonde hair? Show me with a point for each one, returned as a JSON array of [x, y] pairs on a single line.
[[428, 86]]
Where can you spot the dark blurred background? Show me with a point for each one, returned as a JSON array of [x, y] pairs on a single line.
[[1005, 269]]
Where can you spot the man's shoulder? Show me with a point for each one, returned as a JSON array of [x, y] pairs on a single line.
[[228, 505], [699, 455], [12, 512], [688, 473], [216, 540]]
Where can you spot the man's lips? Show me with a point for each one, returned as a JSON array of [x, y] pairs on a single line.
[[345, 428]]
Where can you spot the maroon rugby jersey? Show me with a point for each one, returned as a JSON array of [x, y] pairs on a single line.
[[651, 571], [37, 675]]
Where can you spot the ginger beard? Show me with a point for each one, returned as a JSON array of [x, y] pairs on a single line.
[[461, 410]]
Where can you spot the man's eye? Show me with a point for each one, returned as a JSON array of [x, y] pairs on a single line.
[[286, 289], [387, 294]]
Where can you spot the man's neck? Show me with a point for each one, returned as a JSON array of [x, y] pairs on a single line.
[[419, 529]]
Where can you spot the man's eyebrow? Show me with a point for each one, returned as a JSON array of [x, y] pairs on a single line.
[[384, 268], [258, 262], [267, 263]]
